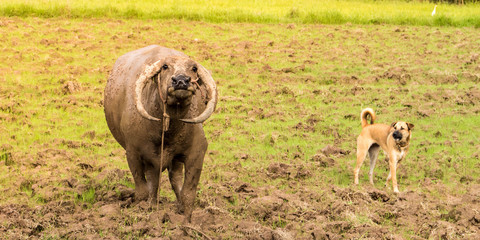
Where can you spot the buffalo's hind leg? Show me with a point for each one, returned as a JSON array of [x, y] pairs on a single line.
[[175, 175], [137, 169]]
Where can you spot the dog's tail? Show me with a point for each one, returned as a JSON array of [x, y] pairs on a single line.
[[364, 114]]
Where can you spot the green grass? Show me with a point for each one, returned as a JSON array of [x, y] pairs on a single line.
[[279, 11], [88, 196]]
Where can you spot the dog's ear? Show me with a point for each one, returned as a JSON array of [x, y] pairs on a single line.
[[410, 126], [393, 124]]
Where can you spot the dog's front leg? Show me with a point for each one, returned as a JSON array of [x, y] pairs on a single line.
[[393, 171]]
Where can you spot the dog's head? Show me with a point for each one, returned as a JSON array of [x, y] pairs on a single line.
[[402, 132]]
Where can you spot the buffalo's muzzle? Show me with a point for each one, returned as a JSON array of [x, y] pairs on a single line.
[[180, 82]]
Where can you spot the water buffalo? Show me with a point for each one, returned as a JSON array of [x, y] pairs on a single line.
[[141, 85]]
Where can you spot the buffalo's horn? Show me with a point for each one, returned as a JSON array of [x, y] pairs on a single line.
[[212, 89], [150, 71]]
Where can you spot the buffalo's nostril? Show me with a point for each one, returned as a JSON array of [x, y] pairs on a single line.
[[180, 82]]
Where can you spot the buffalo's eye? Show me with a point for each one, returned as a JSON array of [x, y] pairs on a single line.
[[165, 66], [194, 69]]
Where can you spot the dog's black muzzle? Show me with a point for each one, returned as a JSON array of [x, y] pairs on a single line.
[[180, 82], [397, 135]]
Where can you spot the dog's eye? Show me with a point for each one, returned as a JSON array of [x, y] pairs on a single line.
[[165, 66], [194, 69]]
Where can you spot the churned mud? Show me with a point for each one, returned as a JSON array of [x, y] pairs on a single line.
[[335, 213]]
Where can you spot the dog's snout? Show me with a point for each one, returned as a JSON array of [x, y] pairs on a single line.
[[180, 81], [397, 135]]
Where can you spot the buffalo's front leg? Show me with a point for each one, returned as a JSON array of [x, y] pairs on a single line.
[[193, 169], [175, 176], [152, 169], [137, 168], [152, 173]]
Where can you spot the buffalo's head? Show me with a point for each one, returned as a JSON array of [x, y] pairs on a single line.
[[176, 77]]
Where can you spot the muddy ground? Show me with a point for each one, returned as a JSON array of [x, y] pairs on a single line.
[[63, 175], [336, 213]]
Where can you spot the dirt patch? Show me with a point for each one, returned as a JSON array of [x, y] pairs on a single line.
[[397, 73], [263, 207], [323, 160], [71, 87], [277, 170], [332, 150]]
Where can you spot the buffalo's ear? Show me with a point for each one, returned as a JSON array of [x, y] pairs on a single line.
[[393, 124], [410, 126]]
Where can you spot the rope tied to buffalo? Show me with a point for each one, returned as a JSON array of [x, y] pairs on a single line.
[[165, 126], [198, 86]]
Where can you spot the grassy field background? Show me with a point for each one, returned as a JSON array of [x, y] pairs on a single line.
[[278, 11], [281, 142]]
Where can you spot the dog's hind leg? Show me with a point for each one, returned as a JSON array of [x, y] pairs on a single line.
[[373, 154], [362, 150]]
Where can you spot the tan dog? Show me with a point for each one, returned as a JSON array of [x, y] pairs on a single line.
[[394, 139]]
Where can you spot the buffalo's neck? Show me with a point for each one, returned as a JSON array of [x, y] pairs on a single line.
[[178, 137], [175, 113], [178, 112]]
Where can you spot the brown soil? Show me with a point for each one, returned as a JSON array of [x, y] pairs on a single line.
[[343, 213]]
